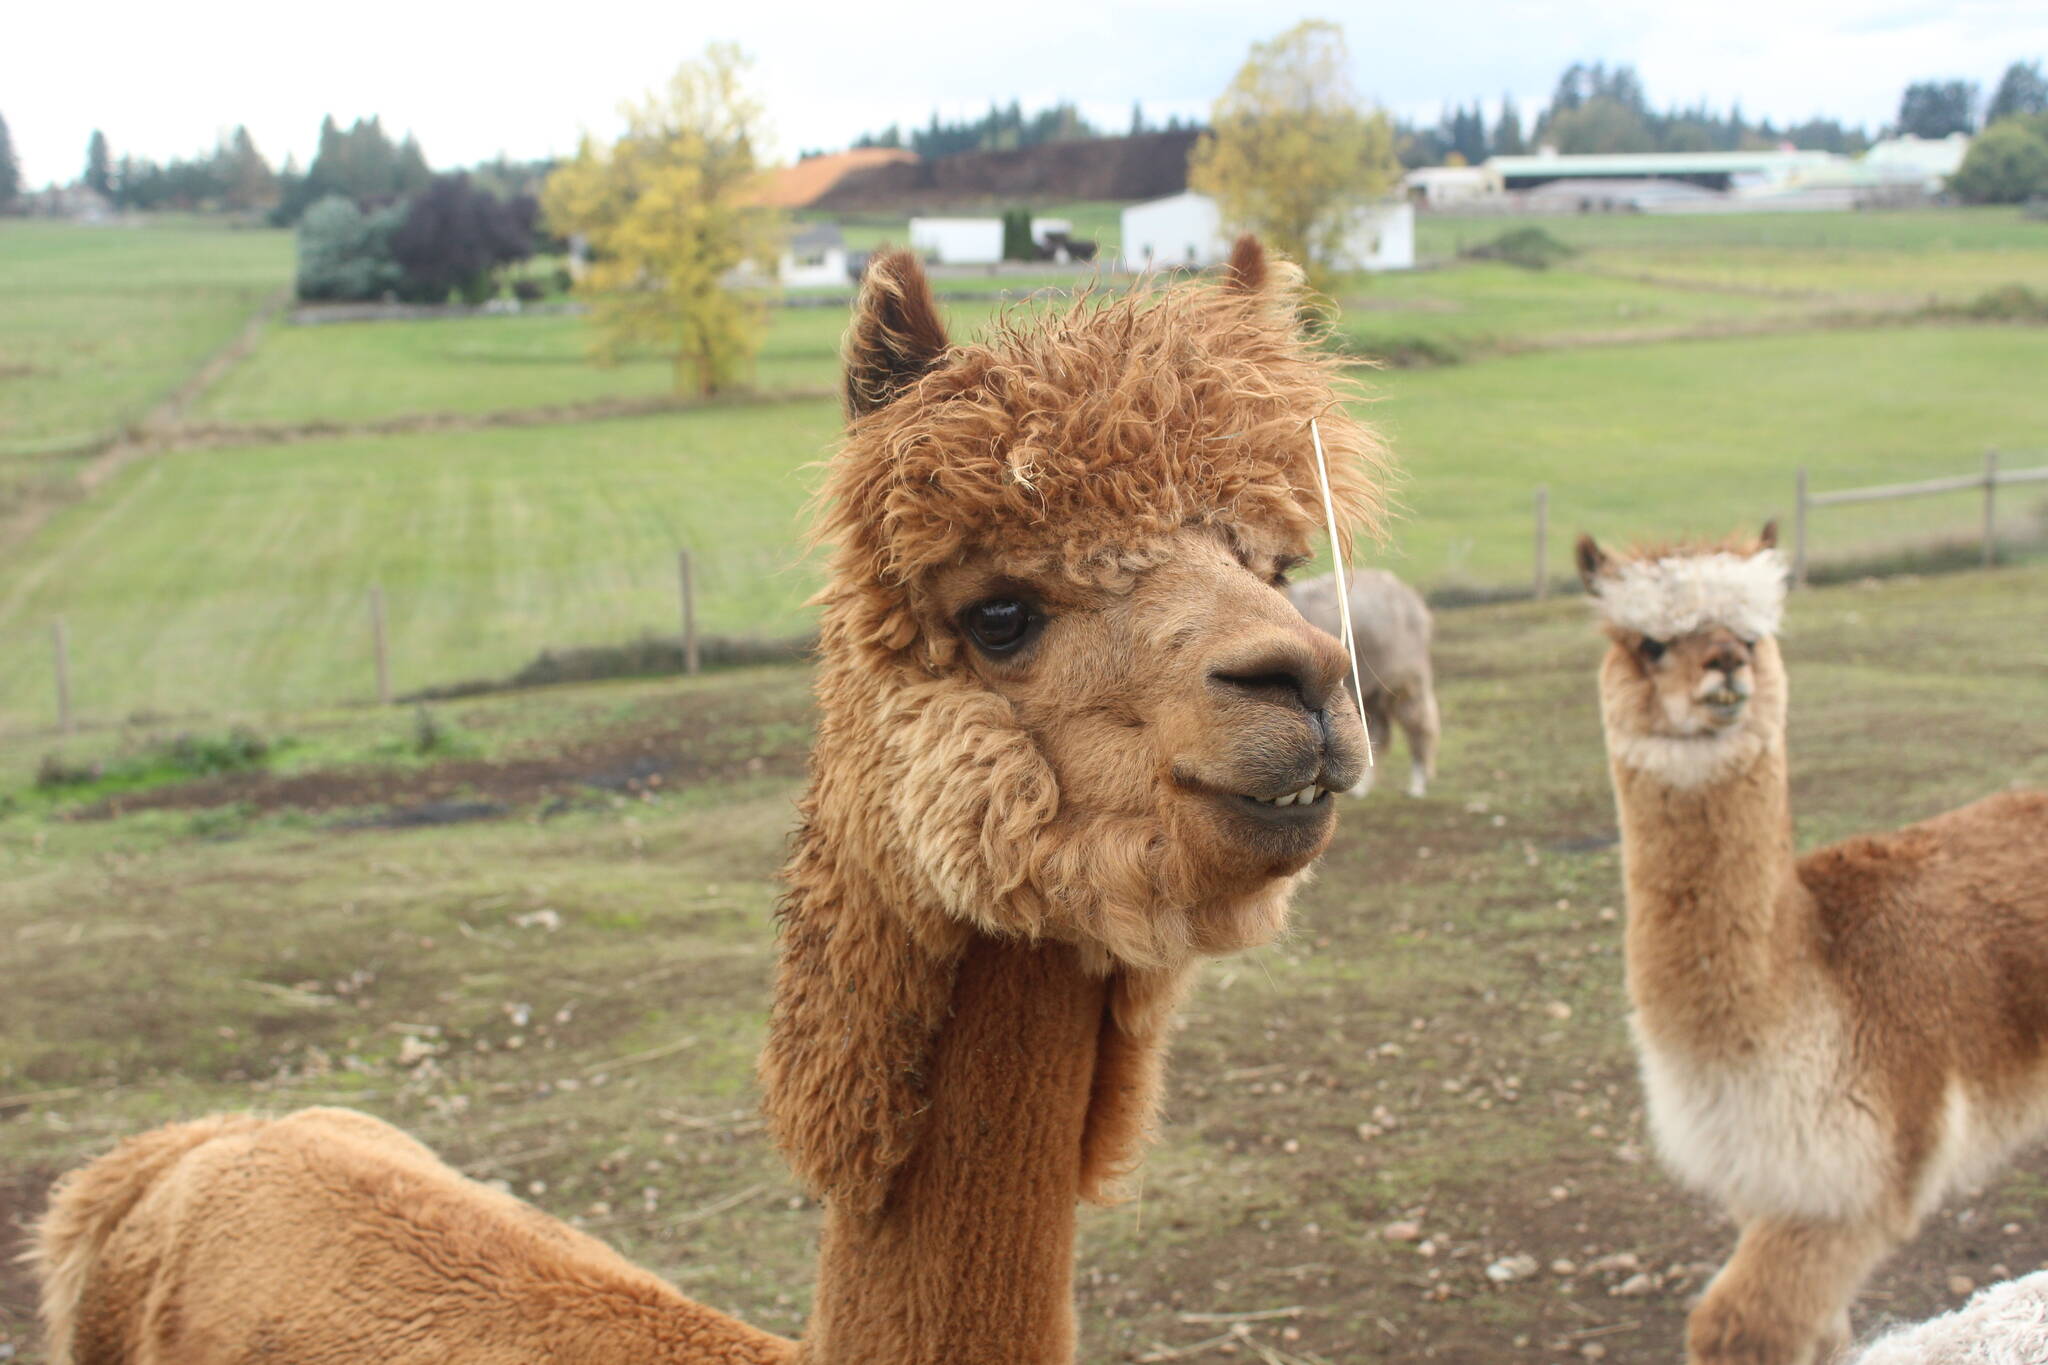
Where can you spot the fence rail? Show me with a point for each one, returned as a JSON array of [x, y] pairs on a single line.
[[1991, 480]]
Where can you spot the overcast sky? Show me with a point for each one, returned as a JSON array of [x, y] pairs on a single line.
[[474, 80]]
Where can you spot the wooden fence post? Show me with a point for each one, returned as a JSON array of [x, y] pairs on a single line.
[[689, 592], [1799, 533], [377, 641], [1990, 507], [1542, 543], [61, 652]]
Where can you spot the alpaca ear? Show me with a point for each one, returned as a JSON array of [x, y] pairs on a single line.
[[1767, 539], [1246, 272], [1130, 1075], [1593, 562], [858, 1002], [896, 335]]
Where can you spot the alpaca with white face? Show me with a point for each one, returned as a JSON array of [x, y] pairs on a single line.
[[1830, 1043]]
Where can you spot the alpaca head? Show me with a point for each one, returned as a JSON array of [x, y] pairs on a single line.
[[1062, 694], [1693, 682]]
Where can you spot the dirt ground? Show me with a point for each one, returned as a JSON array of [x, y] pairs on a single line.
[[1410, 1131]]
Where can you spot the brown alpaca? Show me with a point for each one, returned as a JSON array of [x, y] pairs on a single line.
[[1072, 739], [1829, 1044]]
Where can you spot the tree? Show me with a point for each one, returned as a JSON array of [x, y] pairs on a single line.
[[1601, 125], [251, 184], [345, 254], [1938, 108], [2007, 163], [1507, 134], [1292, 153], [99, 166], [455, 236], [2022, 90], [667, 213], [10, 169]]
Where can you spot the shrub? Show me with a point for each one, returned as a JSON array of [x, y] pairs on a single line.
[[1017, 243], [2007, 164], [345, 254], [1529, 247], [453, 238]]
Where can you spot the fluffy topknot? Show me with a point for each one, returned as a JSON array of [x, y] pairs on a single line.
[[1072, 441], [1672, 590]]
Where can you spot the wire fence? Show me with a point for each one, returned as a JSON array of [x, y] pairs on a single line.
[[304, 644]]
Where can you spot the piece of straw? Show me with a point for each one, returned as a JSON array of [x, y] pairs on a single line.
[[1344, 632]]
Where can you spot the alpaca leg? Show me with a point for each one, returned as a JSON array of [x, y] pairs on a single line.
[[1382, 734], [1783, 1298], [1416, 712]]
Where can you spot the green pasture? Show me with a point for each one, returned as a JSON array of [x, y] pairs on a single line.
[[239, 576], [236, 576], [100, 323], [1926, 231], [1486, 305], [364, 371]]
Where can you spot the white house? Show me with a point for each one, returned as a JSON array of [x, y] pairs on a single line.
[[958, 241], [1180, 230], [817, 255], [1187, 230]]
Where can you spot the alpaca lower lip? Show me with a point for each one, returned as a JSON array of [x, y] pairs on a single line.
[[1311, 812]]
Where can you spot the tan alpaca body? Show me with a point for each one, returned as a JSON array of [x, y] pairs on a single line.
[[1072, 739], [1829, 1044], [331, 1237], [1391, 626]]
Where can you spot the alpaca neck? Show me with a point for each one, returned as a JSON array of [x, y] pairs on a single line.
[[970, 1260], [1717, 920]]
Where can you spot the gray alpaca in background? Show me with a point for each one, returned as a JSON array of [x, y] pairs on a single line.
[[1393, 627]]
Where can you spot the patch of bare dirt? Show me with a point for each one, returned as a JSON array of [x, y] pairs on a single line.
[[705, 745]]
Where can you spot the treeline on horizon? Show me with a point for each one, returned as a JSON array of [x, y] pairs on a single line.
[[1595, 108]]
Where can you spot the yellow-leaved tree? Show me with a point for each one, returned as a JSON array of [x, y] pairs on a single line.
[[667, 213], [1292, 153]]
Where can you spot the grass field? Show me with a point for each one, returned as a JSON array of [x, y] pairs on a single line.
[[237, 577], [240, 575], [101, 323], [1440, 1040], [1913, 231], [354, 372]]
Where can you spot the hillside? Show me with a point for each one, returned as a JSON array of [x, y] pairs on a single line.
[[1148, 166]]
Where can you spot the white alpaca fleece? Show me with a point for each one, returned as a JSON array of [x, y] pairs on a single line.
[[1667, 598], [2006, 1324]]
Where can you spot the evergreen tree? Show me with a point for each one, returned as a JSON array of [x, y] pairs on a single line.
[[99, 165], [2022, 90], [1938, 108], [251, 184], [10, 169], [1137, 118], [1507, 134]]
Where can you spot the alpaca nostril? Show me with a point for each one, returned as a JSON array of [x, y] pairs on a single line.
[[1290, 670], [1273, 684]]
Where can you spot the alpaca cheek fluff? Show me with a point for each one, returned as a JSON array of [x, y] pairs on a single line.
[[1071, 740], [1829, 1044]]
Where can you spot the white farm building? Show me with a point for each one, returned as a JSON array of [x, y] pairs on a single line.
[[1186, 230], [958, 241]]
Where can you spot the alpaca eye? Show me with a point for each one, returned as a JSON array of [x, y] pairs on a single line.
[[998, 625], [1653, 650]]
